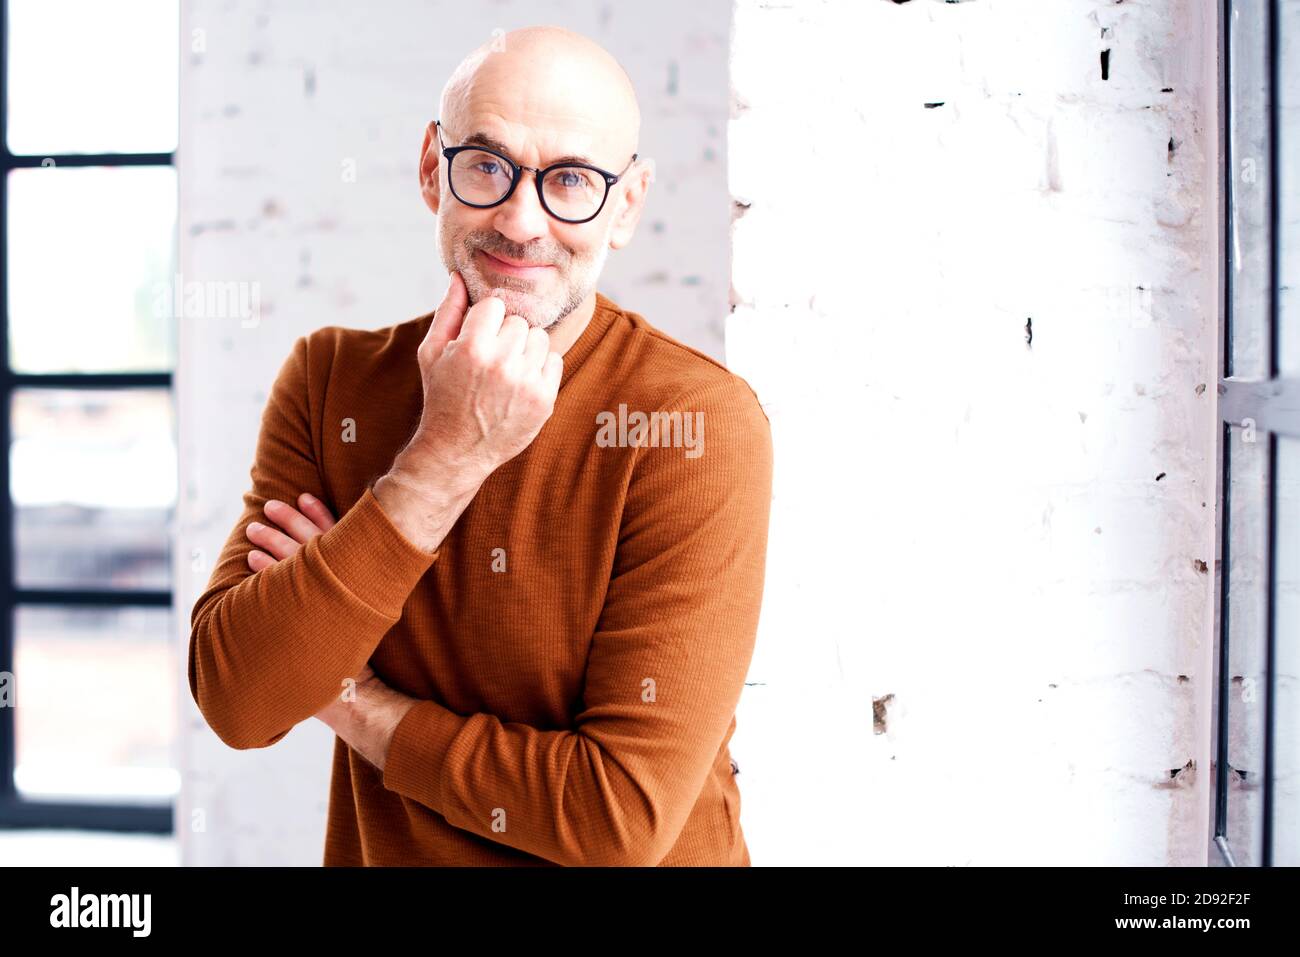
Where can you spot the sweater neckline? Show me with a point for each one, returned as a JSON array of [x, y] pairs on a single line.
[[602, 317]]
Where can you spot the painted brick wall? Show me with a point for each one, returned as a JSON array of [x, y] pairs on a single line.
[[975, 283]]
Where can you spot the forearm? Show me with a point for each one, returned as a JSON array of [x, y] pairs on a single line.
[[558, 795], [424, 501], [617, 788], [366, 717], [270, 649]]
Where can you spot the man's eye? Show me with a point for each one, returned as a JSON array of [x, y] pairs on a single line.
[[572, 179]]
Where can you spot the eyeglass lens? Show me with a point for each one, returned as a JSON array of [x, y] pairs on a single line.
[[571, 192]]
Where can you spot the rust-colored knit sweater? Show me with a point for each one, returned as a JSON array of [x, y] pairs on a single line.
[[578, 642]]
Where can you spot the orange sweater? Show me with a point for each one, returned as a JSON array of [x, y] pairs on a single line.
[[578, 642]]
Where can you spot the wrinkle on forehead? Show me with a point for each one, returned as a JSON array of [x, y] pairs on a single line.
[[548, 92]]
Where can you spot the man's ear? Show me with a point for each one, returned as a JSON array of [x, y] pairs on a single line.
[[430, 178], [631, 203]]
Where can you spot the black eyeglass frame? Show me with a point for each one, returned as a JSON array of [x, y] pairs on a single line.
[[516, 174]]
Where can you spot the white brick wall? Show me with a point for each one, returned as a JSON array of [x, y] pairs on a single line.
[[963, 520]]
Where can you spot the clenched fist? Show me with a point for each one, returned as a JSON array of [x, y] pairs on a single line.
[[490, 383]]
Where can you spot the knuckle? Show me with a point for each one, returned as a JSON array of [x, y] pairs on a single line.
[[477, 352]]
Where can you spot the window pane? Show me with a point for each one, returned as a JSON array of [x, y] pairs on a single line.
[[1247, 453], [1286, 716], [91, 263], [87, 76], [96, 703], [1288, 346], [1248, 228], [93, 476]]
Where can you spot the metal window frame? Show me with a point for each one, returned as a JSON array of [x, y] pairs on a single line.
[[16, 811], [1273, 403]]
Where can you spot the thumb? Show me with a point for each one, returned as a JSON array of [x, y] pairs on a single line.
[[449, 315], [553, 371]]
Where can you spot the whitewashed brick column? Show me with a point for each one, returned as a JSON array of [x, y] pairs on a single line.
[[975, 285]]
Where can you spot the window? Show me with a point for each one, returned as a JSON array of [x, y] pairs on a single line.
[[1256, 748], [88, 119]]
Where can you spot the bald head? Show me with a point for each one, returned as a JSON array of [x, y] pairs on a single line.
[[542, 96], [551, 88]]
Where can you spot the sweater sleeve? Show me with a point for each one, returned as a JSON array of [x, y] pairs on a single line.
[[269, 649], [665, 670]]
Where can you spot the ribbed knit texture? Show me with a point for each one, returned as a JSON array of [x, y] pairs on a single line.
[[576, 706]]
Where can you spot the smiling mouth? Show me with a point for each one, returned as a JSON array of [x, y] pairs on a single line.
[[510, 268]]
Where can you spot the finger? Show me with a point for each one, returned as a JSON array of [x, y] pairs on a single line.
[[450, 313], [553, 371], [484, 318], [271, 540], [259, 560], [513, 337], [315, 510], [536, 347], [295, 524]]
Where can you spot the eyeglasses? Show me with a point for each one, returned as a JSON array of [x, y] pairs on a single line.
[[483, 178]]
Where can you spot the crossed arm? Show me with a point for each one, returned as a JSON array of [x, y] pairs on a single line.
[[366, 712], [680, 617]]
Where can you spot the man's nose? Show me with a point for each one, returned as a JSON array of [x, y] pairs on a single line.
[[521, 218]]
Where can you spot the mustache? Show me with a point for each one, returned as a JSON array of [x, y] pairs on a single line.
[[522, 253]]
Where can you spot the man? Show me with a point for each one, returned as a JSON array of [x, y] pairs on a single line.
[[530, 625]]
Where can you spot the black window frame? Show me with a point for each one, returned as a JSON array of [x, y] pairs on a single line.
[[15, 810], [1271, 403]]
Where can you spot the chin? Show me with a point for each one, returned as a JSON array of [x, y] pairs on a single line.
[[517, 302]]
